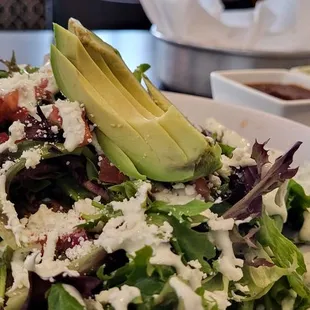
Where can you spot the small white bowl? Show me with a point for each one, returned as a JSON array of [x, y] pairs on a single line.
[[229, 87]]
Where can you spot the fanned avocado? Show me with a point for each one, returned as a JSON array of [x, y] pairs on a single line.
[[150, 137]]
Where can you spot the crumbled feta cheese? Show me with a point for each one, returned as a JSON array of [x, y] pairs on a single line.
[[73, 124], [45, 220], [220, 298], [26, 84], [79, 250], [32, 156], [47, 110], [242, 288], [96, 144], [84, 206], [17, 132], [8, 209], [215, 180], [54, 129], [119, 298], [190, 299], [73, 292]]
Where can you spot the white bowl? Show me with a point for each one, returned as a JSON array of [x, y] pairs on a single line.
[[249, 123], [229, 86]]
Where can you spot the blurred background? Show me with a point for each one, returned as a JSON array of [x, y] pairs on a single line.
[[94, 14]]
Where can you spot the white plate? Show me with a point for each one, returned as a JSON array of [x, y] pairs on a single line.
[[251, 124]]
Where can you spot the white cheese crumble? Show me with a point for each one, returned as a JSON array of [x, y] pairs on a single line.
[[73, 124], [195, 264], [17, 132], [32, 156], [45, 220], [83, 248], [189, 298], [119, 298], [8, 209], [131, 231], [25, 84], [73, 292], [84, 206], [220, 298]]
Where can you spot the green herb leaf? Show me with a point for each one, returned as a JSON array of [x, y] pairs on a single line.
[[227, 150], [60, 299], [91, 170], [192, 208], [126, 190]]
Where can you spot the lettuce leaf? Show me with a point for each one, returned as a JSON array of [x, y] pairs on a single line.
[[60, 299], [297, 202], [192, 208], [285, 254], [251, 204]]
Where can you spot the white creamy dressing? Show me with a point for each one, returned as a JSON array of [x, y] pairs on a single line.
[[25, 84], [229, 265], [19, 272], [304, 233], [73, 292], [72, 123], [189, 298], [179, 195], [17, 132], [241, 156], [288, 302], [119, 298], [8, 209], [164, 256], [220, 298], [302, 177], [305, 249], [131, 231]]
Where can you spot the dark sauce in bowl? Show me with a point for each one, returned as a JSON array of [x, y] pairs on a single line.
[[282, 91]]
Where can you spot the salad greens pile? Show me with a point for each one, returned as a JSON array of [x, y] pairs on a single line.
[[111, 199]]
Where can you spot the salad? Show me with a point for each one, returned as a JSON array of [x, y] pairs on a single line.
[[111, 199]]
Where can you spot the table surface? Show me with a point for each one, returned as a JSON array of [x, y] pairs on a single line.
[[135, 46]]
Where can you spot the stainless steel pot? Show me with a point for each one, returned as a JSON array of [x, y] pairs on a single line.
[[187, 69]]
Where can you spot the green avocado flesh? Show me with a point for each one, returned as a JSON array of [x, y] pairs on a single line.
[[141, 132]]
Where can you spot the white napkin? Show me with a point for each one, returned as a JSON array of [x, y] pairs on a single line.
[[274, 25]]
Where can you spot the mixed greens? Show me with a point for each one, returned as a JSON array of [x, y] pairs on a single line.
[[111, 199]]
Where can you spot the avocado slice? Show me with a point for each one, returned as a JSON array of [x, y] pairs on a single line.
[[71, 47], [116, 155], [115, 63], [172, 149], [75, 87]]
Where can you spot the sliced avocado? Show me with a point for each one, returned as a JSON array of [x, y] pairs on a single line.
[[16, 299], [75, 87], [118, 157], [116, 65], [151, 131]]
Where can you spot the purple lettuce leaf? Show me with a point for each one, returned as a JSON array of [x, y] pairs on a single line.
[[251, 203], [86, 285]]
